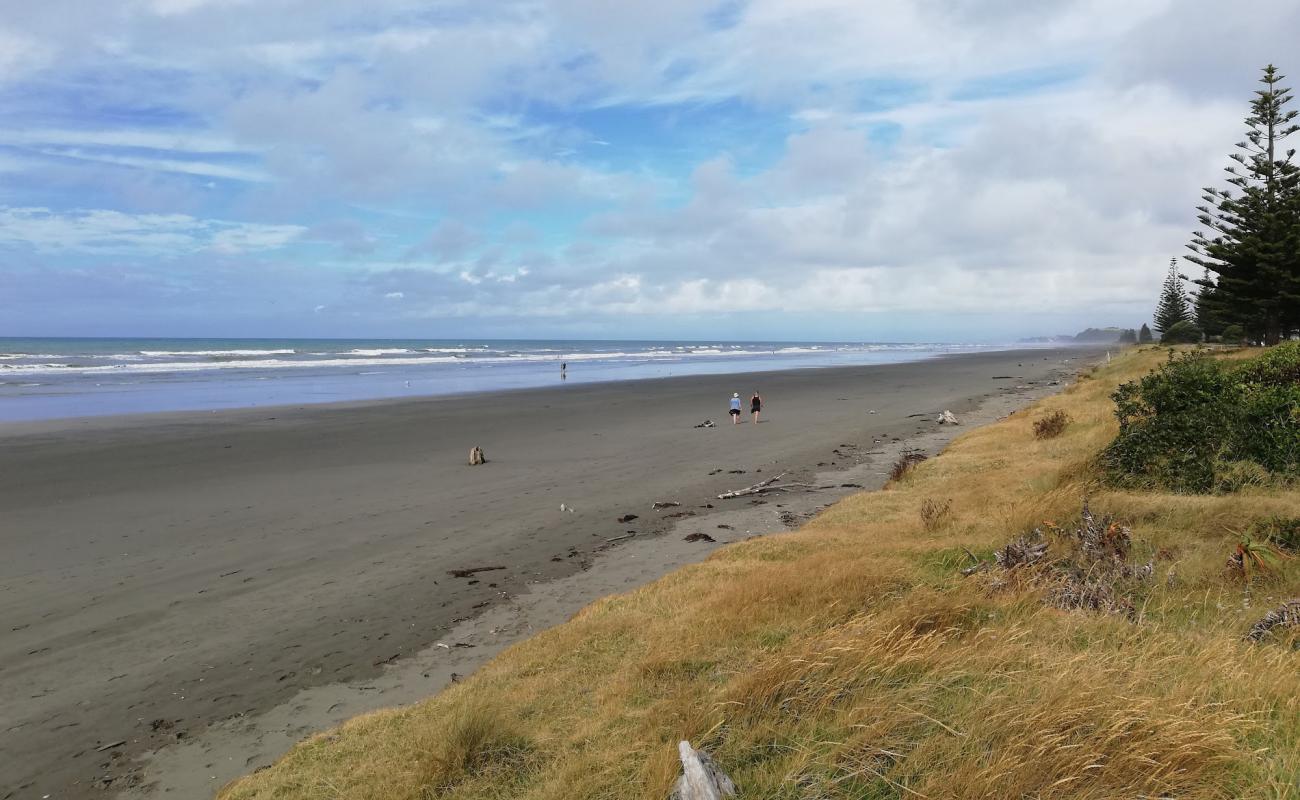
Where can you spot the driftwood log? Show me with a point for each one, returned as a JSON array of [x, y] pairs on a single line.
[[476, 456], [769, 485], [701, 778]]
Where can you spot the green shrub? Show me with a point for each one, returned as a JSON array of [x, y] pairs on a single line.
[[1162, 418], [1276, 366], [1233, 334], [1200, 425], [1269, 387], [1181, 333]]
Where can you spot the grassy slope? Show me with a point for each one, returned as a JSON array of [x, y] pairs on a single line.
[[850, 659]]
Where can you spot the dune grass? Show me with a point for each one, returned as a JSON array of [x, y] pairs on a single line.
[[851, 659]]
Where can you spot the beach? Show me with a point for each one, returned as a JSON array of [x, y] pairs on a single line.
[[168, 572]]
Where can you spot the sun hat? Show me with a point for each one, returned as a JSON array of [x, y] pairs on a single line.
[[735, 394]]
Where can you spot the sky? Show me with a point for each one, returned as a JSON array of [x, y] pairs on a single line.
[[899, 170]]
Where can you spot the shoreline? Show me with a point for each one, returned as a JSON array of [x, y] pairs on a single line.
[[25, 424], [531, 563]]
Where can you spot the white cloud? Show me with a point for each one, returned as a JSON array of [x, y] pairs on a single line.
[[168, 8], [200, 168], [20, 55], [180, 141], [108, 231], [230, 238], [937, 154], [449, 240], [1046, 204]]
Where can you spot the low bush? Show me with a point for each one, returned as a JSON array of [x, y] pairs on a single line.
[[1181, 333], [1277, 366], [1052, 425], [1198, 424], [1233, 334]]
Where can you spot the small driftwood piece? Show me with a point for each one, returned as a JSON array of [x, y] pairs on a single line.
[[701, 778], [476, 456], [769, 485], [465, 573], [1285, 615], [620, 538], [1023, 551]]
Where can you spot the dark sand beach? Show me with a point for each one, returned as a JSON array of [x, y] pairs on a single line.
[[164, 573]]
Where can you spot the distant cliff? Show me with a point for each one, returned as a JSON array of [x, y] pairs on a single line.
[[1089, 336]]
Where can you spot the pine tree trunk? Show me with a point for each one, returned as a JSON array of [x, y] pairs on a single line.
[[1272, 330]]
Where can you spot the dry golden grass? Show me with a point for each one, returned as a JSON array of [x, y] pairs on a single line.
[[851, 659]]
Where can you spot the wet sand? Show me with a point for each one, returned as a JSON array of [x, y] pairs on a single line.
[[169, 579]]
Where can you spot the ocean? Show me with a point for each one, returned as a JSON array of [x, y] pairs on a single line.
[[57, 378]]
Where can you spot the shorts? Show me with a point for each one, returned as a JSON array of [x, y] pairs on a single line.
[[735, 412]]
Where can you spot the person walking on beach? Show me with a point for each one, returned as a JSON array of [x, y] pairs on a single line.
[[755, 406], [735, 408]]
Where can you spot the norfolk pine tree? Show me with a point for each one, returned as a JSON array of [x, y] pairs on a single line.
[[1203, 306], [1253, 241], [1172, 308], [1144, 335]]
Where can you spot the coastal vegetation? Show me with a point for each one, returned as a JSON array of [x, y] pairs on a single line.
[[1250, 244], [1201, 424], [1007, 620]]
